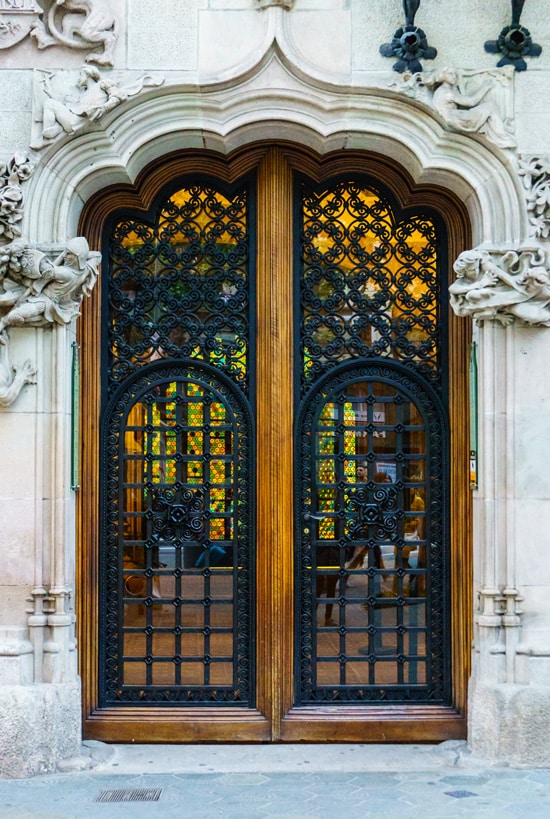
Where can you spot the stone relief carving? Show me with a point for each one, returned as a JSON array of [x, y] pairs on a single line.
[[38, 290], [17, 18], [12, 174], [78, 24], [504, 286], [478, 102], [66, 101], [535, 174], [12, 380]]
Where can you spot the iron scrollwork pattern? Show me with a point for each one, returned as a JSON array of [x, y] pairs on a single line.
[[372, 608], [180, 286], [177, 482], [369, 283]]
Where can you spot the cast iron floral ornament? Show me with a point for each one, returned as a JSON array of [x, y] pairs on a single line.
[[409, 43], [514, 42]]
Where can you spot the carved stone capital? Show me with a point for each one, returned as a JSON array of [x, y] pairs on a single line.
[[12, 175], [38, 289], [535, 174], [511, 286], [65, 102], [470, 102]]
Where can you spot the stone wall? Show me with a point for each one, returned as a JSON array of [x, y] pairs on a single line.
[[219, 73]]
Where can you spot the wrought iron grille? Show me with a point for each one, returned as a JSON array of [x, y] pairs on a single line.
[[179, 285], [372, 607], [177, 503], [369, 282]]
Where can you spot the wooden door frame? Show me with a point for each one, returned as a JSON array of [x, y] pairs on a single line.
[[274, 717]]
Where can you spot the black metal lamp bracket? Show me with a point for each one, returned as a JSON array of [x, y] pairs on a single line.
[[514, 42], [409, 43]]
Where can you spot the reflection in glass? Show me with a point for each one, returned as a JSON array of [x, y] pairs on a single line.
[[367, 530]]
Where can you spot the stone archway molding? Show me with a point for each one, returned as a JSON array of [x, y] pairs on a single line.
[[274, 100]]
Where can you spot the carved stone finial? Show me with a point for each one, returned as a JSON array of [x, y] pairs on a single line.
[[474, 102], [503, 286], [67, 101], [36, 290], [535, 173], [12, 174], [409, 43]]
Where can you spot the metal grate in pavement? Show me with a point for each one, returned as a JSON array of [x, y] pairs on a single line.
[[130, 795]]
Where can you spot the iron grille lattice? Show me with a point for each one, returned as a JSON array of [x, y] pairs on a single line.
[[372, 606], [177, 565], [369, 284], [180, 287]]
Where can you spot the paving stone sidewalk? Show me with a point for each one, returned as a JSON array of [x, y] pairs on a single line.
[[296, 782]]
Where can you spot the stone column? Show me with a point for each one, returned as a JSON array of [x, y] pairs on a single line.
[[40, 714], [508, 295]]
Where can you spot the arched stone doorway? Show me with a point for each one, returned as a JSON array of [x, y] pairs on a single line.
[[349, 351]]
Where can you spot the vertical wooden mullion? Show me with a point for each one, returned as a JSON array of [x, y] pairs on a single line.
[[275, 582]]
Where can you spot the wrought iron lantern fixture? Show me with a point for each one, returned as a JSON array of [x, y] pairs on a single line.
[[514, 42], [409, 43]]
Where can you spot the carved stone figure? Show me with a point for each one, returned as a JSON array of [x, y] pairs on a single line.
[[472, 111], [65, 101], [515, 285], [16, 171], [36, 290], [12, 380], [469, 101], [535, 173], [84, 23]]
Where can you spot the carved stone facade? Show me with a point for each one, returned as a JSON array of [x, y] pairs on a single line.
[[239, 73]]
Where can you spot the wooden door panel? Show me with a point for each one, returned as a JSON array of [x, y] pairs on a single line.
[[277, 710]]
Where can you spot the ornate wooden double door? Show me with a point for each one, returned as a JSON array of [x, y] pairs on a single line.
[[273, 516]]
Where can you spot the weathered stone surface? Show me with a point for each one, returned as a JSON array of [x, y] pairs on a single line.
[[39, 727]]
